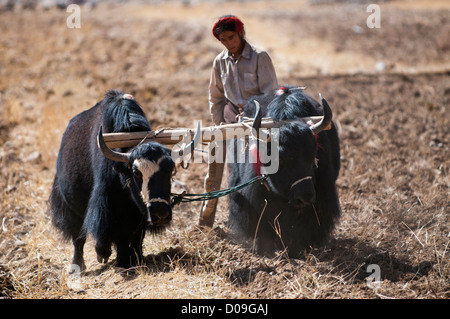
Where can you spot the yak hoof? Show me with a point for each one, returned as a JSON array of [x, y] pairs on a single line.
[[103, 253], [102, 260]]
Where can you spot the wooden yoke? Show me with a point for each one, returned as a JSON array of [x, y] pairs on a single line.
[[172, 136]]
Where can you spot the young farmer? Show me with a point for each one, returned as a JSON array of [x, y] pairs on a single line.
[[239, 72]]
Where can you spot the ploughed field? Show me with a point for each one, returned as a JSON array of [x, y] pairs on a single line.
[[389, 89]]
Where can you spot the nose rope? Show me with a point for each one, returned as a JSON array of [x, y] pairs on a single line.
[[158, 200], [301, 180]]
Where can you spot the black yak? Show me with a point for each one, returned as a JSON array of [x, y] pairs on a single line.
[[113, 195], [299, 205]]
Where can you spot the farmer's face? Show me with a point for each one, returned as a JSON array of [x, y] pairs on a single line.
[[232, 41]]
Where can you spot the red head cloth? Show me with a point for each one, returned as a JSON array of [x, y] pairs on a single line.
[[227, 23]]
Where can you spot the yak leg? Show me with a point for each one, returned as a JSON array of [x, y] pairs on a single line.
[[130, 253], [103, 251], [123, 254], [78, 264], [137, 257]]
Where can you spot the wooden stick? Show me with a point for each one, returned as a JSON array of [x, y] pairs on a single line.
[[209, 133]]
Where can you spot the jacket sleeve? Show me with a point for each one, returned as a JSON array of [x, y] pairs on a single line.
[[267, 78], [217, 98]]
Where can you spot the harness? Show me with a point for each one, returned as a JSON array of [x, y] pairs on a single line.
[[300, 180], [262, 178], [186, 197]]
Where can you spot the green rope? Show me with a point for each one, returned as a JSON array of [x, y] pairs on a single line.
[[186, 197]]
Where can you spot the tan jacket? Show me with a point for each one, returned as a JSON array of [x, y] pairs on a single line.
[[252, 74]]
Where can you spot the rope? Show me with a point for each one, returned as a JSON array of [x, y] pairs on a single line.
[[186, 197], [301, 180]]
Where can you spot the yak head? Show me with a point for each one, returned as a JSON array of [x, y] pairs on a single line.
[[297, 147], [149, 169], [297, 152]]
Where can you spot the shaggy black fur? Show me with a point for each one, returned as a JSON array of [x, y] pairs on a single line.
[[305, 215], [95, 195]]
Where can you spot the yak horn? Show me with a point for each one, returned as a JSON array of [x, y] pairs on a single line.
[[109, 153], [326, 120], [258, 117], [191, 146]]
